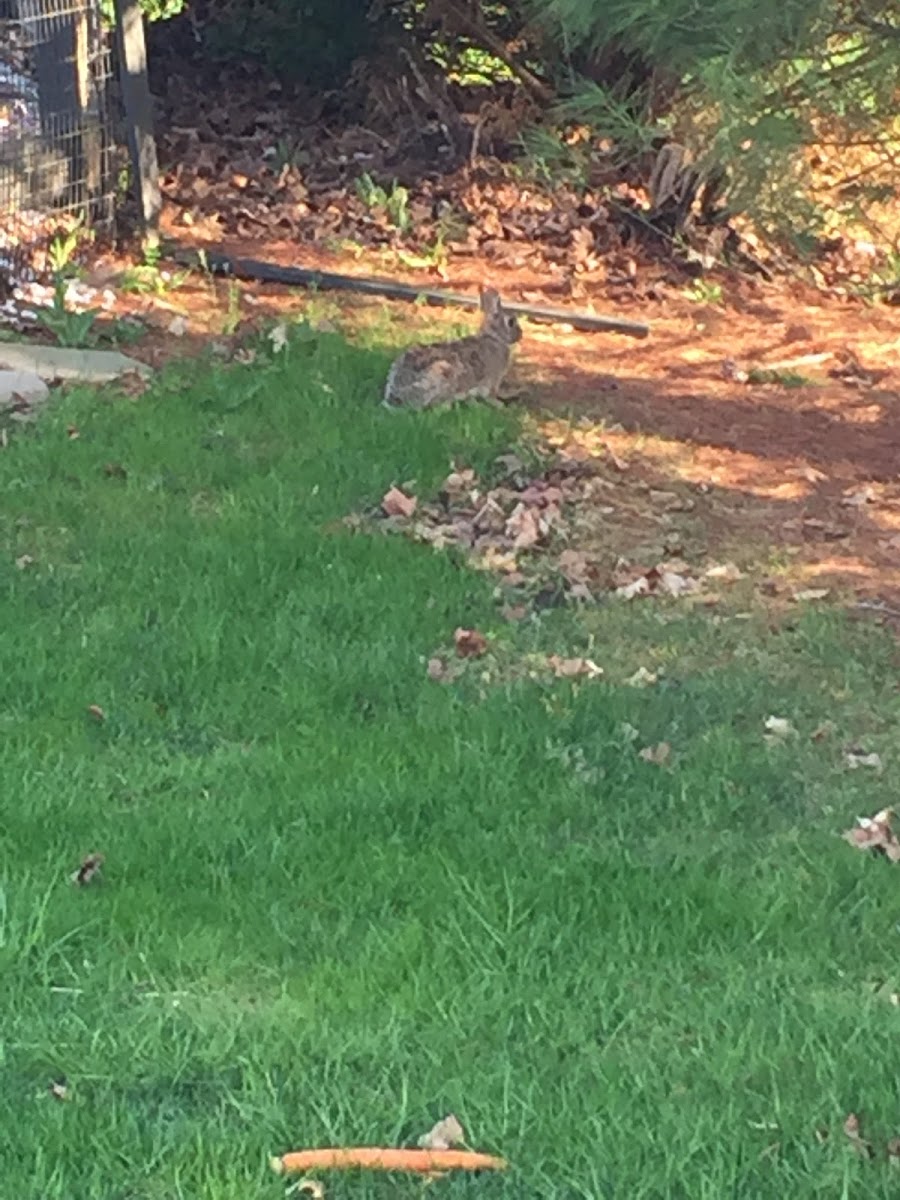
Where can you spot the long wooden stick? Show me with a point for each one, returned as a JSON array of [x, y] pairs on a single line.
[[378, 1158], [249, 268]]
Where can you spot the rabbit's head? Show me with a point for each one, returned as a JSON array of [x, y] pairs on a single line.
[[496, 321]]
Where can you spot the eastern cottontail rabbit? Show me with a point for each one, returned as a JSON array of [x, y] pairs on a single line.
[[425, 376]]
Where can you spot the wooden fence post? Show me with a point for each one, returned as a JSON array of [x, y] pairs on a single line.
[[132, 55]]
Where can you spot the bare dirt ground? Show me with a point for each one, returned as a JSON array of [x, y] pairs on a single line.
[[793, 476]]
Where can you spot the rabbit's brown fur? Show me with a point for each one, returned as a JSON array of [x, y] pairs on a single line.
[[426, 376]]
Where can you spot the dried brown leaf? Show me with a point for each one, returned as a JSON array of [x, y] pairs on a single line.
[[665, 580], [444, 1135], [658, 755], [469, 643], [310, 1187], [443, 534], [673, 583], [857, 758], [133, 383], [568, 668], [807, 595], [727, 572], [822, 731], [582, 240], [542, 495], [524, 527], [438, 670], [580, 591], [642, 678], [851, 1129], [88, 871], [395, 503], [875, 833], [495, 559], [637, 587], [511, 463], [458, 484], [490, 517], [779, 727], [575, 567]]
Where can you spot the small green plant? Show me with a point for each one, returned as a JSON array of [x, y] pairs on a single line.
[[232, 318], [398, 208], [288, 152], [549, 159], [788, 379], [394, 203], [148, 277], [320, 310], [371, 193], [122, 184], [433, 257], [452, 226], [343, 245], [61, 253], [152, 10], [71, 329], [702, 291]]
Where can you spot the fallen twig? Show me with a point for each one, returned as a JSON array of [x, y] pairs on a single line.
[[248, 268], [878, 606]]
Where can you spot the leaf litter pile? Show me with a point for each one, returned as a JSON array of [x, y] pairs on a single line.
[[523, 527], [534, 526], [526, 525], [252, 165], [400, 159]]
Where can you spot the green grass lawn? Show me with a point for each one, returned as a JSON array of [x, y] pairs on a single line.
[[341, 900]]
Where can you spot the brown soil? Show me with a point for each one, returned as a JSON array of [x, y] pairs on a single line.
[[797, 480]]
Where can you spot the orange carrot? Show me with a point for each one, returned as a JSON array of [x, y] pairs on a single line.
[[377, 1158]]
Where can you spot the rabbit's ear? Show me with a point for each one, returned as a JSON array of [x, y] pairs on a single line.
[[490, 301]]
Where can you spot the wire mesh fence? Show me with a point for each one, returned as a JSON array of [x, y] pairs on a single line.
[[55, 129]]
